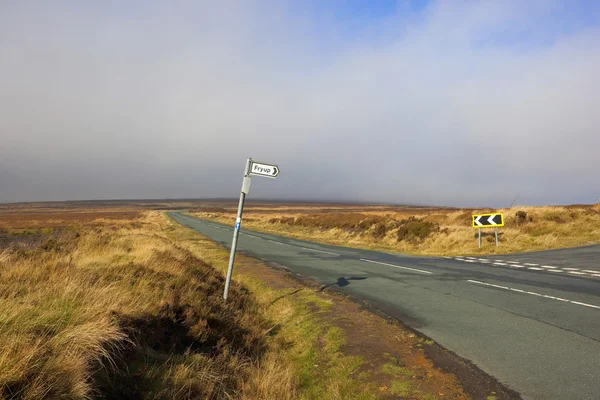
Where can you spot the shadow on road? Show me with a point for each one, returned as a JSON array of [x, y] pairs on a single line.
[[341, 282]]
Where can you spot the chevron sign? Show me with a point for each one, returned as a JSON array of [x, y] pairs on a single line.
[[488, 220]]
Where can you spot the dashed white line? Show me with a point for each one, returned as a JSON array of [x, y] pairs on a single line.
[[534, 268], [320, 251], [591, 271], [548, 266], [397, 266], [576, 273], [499, 260], [499, 263], [571, 269], [555, 270], [535, 294], [512, 262], [596, 275], [531, 264], [273, 241], [471, 258], [516, 266], [459, 259]]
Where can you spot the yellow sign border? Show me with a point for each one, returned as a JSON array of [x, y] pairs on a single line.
[[473, 216]]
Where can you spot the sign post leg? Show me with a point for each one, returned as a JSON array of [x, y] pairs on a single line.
[[496, 232], [236, 230], [479, 239]]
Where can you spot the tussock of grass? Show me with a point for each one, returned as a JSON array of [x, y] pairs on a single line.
[[120, 311], [433, 231]]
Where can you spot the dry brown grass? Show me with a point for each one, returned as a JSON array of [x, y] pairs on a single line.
[[35, 219], [117, 309], [429, 231]]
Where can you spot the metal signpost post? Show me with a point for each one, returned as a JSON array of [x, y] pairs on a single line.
[[252, 168], [488, 221]]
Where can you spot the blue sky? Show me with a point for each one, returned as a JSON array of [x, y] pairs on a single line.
[[441, 102], [559, 18]]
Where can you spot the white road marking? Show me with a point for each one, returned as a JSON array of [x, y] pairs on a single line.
[[590, 271], [273, 241], [320, 251], [483, 259], [459, 259], [252, 236], [596, 275], [576, 273], [516, 266], [447, 258], [471, 258], [571, 269], [499, 260], [533, 268], [485, 262], [499, 263], [535, 294], [397, 266], [512, 262], [548, 266], [531, 264], [555, 270]]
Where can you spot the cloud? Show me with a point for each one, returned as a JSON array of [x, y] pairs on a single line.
[[455, 103]]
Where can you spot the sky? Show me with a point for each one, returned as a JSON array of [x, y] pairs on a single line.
[[463, 103]]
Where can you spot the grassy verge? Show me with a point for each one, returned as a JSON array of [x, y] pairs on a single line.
[[428, 231], [117, 310]]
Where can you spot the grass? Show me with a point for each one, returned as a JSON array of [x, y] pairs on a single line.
[[118, 310], [132, 306], [428, 231], [396, 370], [401, 388]]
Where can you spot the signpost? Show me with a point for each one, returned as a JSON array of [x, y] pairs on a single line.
[[493, 220], [252, 168], [262, 169]]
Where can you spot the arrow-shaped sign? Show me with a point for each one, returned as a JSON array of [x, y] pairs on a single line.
[[488, 220], [262, 169]]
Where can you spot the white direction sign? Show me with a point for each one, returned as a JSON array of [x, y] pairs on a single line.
[[262, 169]]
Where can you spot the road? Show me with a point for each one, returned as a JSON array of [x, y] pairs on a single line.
[[537, 332]]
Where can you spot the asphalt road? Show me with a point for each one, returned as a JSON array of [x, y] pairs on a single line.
[[536, 331]]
